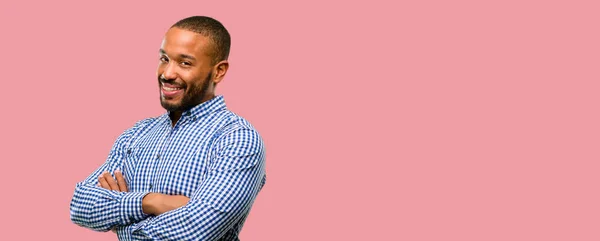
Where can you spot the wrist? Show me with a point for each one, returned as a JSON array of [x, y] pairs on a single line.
[[149, 203]]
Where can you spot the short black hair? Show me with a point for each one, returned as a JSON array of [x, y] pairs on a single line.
[[211, 28]]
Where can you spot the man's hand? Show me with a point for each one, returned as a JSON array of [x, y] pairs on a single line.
[[158, 203], [106, 181], [153, 203]]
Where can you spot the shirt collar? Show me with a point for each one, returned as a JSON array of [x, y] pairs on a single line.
[[204, 108]]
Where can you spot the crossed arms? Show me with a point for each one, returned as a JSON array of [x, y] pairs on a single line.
[[153, 203], [235, 176]]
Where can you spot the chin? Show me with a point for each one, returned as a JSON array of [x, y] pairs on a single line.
[[170, 105]]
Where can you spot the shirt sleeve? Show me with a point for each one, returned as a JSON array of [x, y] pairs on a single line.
[[100, 209], [235, 177]]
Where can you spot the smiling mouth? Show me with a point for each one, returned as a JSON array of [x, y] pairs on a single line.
[[170, 91], [171, 88]]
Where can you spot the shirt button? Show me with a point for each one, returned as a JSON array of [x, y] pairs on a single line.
[[129, 151], [150, 186], [158, 157]]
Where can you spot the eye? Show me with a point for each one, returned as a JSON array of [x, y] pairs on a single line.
[[164, 59], [186, 63]]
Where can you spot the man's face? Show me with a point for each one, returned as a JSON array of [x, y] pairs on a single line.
[[184, 71]]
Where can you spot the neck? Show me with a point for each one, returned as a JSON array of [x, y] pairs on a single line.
[[174, 116]]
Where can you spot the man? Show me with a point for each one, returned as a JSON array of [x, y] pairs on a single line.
[[189, 174]]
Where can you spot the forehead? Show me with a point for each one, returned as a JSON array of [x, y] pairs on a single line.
[[179, 41]]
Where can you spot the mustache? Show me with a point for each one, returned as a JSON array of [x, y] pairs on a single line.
[[161, 79]]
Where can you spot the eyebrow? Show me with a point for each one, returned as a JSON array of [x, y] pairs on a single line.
[[183, 56]]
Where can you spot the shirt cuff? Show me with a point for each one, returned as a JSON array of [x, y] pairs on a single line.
[[131, 207]]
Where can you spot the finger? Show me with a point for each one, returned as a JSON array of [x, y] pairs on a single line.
[[121, 181], [103, 183], [111, 181]]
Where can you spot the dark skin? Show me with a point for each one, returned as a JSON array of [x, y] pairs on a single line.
[[187, 77], [186, 62]]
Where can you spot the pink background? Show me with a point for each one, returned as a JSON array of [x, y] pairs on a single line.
[[436, 120]]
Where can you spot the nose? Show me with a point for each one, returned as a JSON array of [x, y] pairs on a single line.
[[169, 71]]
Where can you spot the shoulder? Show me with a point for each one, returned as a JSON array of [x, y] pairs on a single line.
[[230, 122], [143, 125], [237, 133], [238, 145], [138, 128]]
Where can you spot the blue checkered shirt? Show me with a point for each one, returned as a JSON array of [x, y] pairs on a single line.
[[211, 155]]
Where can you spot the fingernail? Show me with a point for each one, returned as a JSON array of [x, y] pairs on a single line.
[[117, 171]]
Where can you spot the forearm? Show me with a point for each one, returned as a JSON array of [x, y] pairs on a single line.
[[198, 221], [223, 200], [205, 217], [100, 209], [158, 203]]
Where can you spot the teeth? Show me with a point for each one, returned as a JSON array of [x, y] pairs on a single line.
[[170, 89]]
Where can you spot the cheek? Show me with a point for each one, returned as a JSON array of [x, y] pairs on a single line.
[[190, 79], [160, 69]]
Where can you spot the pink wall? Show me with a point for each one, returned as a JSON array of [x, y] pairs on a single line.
[[437, 120]]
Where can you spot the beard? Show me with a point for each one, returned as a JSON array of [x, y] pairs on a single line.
[[192, 94]]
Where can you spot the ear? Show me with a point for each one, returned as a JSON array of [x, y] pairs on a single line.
[[219, 71]]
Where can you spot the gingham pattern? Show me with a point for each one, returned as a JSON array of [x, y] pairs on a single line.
[[211, 155]]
